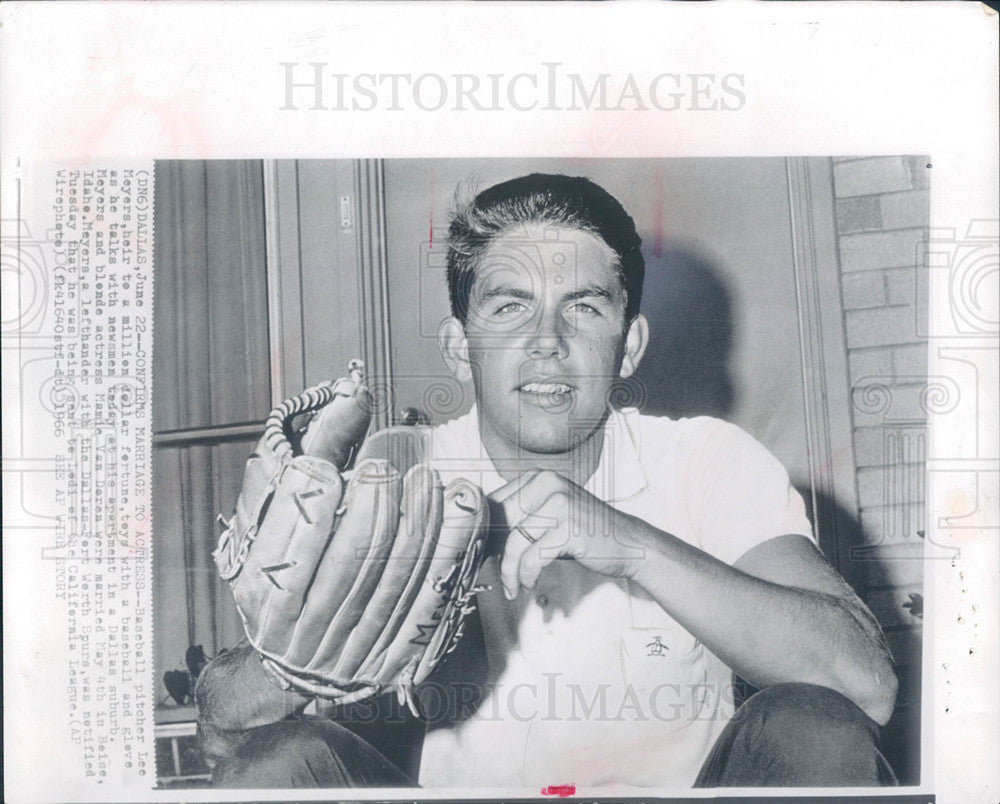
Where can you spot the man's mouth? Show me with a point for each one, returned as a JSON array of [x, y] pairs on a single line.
[[545, 388]]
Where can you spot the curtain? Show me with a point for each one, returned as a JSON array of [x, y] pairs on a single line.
[[211, 368], [210, 295]]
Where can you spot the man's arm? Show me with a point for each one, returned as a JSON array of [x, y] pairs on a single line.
[[780, 614]]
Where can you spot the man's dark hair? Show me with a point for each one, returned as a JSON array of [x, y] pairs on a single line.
[[551, 200]]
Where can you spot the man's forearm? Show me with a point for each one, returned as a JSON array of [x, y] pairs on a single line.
[[767, 632]]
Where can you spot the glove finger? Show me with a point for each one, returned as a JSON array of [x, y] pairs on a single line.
[[286, 547], [351, 566], [419, 525], [258, 473], [341, 424], [403, 447], [468, 535], [463, 515]]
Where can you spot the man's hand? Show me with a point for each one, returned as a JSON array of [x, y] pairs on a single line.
[[550, 517], [235, 693]]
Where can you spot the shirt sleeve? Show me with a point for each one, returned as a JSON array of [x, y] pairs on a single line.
[[738, 494]]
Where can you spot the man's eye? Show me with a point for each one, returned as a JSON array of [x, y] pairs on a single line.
[[580, 308], [511, 308]]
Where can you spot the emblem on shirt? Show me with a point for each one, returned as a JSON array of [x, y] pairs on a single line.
[[656, 647]]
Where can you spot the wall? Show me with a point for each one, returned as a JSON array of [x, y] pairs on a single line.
[[882, 208]]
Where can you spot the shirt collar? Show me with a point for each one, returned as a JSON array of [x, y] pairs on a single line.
[[619, 475]]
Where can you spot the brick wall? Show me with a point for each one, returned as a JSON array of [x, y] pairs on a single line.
[[882, 214]]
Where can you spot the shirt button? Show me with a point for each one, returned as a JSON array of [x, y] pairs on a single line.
[[542, 600]]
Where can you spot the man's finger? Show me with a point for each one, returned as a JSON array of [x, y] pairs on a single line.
[[505, 512], [528, 497], [511, 488], [539, 555], [519, 539], [521, 504]]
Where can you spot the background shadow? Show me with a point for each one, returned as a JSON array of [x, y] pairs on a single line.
[[685, 371]]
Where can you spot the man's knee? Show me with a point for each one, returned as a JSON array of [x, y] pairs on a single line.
[[800, 735], [806, 716], [306, 753], [290, 753]]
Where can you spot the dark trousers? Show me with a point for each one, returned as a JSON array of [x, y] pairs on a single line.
[[789, 735]]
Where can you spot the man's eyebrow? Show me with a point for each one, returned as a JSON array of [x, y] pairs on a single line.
[[506, 292], [590, 292]]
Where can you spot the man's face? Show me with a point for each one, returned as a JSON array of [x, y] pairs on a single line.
[[545, 335]]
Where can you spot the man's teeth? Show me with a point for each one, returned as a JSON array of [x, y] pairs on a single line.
[[546, 388]]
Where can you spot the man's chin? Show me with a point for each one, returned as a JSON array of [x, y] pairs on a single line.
[[554, 440], [546, 446]]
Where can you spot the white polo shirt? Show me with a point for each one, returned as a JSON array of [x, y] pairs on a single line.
[[592, 682]]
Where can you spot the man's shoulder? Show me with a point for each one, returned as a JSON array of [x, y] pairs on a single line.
[[407, 444], [462, 423], [652, 431], [690, 442], [458, 436], [456, 450]]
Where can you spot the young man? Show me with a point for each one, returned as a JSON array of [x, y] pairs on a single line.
[[642, 562]]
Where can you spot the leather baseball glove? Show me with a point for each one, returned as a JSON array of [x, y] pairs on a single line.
[[350, 590]]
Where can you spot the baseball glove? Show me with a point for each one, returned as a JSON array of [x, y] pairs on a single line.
[[348, 592]]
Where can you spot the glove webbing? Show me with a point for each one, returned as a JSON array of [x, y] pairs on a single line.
[[275, 435]]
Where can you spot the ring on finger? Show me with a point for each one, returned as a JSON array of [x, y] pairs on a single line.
[[531, 539]]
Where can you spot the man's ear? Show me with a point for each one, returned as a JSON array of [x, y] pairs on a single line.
[[635, 345], [455, 348]]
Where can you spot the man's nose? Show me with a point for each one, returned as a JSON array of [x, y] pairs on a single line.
[[548, 340]]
